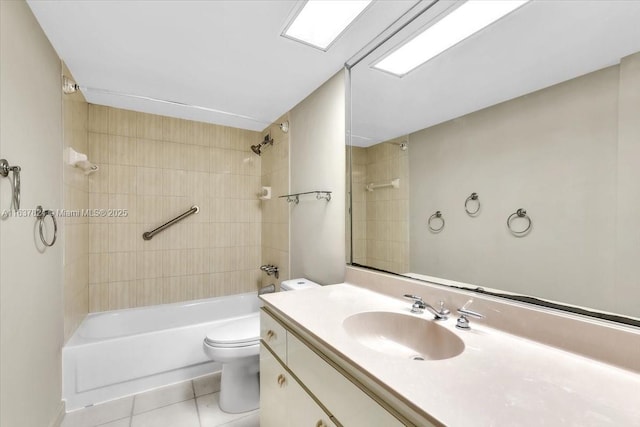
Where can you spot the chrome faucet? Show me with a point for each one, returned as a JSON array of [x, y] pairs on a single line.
[[419, 306], [271, 270], [463, 320]]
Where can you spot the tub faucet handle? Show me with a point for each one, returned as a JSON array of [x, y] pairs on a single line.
[[271, 270]]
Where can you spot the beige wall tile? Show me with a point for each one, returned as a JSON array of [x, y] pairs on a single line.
[[98, 119], [148, 126], [98, 297], [121, 122], [148, 292], [156, 168], [122, 150], [121, 295]]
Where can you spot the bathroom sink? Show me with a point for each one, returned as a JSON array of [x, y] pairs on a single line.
[[403, 336]]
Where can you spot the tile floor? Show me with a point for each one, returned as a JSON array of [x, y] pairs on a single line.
[[187, 404]]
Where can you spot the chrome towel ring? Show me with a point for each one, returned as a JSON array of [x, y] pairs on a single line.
[[520, 213], [472, 197], [41, 214], [437, 215]]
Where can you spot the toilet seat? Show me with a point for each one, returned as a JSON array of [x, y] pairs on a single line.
[[242, 332]]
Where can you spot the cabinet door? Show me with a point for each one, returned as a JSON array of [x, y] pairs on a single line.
[[303, 410], [346, 402], [273, 399], [283, 402]]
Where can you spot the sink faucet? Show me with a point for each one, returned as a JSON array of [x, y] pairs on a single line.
[[419, 306]]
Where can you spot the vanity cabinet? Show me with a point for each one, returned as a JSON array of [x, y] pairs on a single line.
[[291, 368]]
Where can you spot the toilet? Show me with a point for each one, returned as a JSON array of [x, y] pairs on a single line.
[[236, 344]]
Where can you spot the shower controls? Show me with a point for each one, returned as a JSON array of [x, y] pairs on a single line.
[[271, 270]]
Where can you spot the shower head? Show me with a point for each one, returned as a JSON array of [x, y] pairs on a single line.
[[258, 147]]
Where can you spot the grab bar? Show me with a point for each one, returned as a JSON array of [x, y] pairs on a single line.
[[149, 234], [394, 183]]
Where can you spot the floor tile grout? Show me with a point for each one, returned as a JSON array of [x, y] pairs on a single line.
[[195, 401], [133, 405]]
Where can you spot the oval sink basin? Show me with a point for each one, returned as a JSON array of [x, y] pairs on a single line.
[[403, 336]]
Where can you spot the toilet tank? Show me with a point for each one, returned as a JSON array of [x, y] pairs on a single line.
[[297, 285]]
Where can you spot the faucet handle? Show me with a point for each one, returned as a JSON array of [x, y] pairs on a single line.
[[444, 312], [418, 305], [463, 321]]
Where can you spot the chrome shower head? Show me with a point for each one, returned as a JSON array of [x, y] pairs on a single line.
[[258, 148]]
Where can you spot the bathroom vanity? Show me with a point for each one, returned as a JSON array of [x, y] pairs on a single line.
[[301, 386], [352, 356]]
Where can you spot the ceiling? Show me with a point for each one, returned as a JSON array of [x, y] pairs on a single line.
[[222, 55], [541, 44], [228, 56]]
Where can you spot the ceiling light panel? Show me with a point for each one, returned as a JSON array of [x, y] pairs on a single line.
[[320, 22], [461, 23]]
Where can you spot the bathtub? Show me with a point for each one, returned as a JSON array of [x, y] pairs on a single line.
[[117, 353]]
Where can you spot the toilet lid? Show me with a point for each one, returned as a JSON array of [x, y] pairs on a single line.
[[236, 333]]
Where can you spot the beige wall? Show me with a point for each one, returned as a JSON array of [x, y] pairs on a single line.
[[556, 153], [76, 198], [318, 163], [31, 305], [156, 168], [628, 185], [275, 212]]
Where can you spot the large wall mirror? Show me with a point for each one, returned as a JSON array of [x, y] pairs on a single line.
[[510, 161]]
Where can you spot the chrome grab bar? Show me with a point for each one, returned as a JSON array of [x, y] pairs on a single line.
[[149, 234]]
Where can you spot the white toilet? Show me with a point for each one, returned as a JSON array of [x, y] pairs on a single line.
[[236, 345]]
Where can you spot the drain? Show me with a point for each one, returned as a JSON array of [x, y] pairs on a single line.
[[417, 357]]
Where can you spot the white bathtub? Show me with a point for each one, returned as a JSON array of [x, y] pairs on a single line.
[[118, 353]]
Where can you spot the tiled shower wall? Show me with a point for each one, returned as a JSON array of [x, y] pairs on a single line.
[[153, 168], [357, 156], [381, 217], [76, 228], [275, 212]]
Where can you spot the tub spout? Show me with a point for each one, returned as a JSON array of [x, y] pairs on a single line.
[[267, 289]]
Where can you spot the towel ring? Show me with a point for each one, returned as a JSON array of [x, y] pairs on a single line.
[[41, 215], [474, 197], [437, 215], [520, 213]]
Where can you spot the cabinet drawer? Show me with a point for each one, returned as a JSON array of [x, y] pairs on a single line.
[[346, 402], [274, 335]]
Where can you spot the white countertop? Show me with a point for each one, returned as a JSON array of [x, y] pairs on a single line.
[[498, 380]]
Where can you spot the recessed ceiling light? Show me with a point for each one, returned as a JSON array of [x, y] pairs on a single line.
[[319, 22], [463, 22]]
